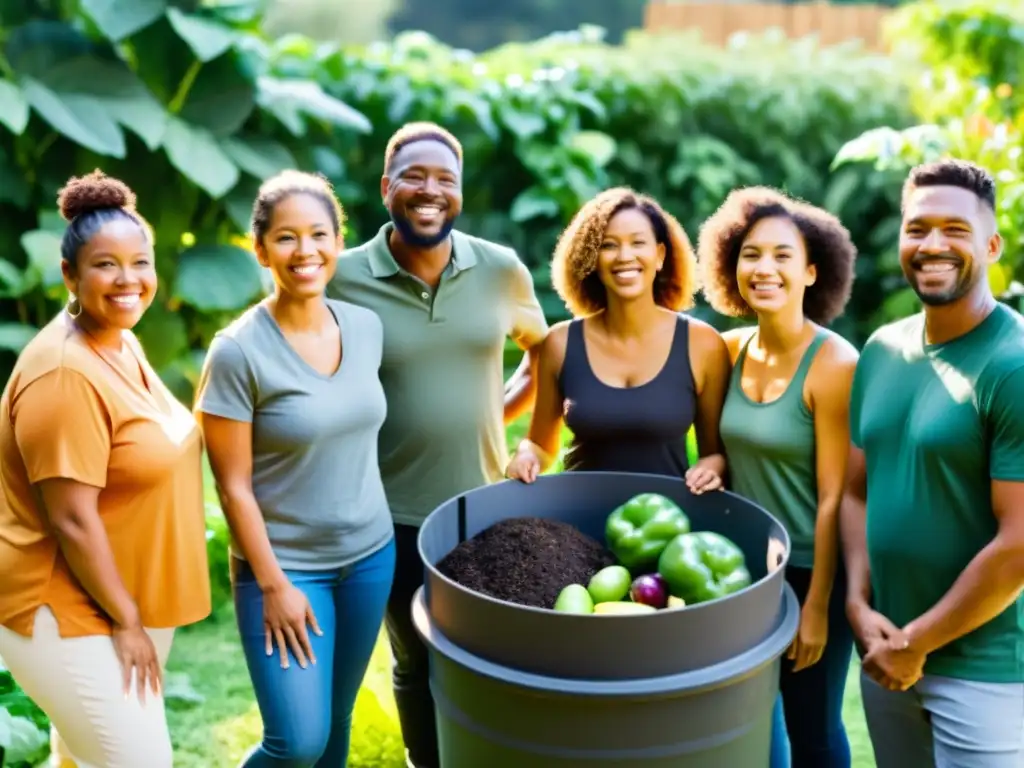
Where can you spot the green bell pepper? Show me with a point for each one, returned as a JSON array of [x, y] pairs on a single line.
[[703, 566], [640, 529]]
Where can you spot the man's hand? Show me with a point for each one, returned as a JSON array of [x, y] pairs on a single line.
[[889, 658], [893, 666], [872, 629]]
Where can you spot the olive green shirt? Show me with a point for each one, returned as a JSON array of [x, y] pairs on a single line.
[[938, 423], [442, 366]]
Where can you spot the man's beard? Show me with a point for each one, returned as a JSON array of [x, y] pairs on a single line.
[[962, 287], [409, 235]]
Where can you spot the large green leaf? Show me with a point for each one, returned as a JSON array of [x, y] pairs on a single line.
[[113, 86], [118, 19], [195, 153], [239, 201], [207, 38], [215, 278], [532, 203], [876, 145], [14, 187], [43, 249], [599, 147], [83, 119], [222, 98], [12, 281], [258, 156], [37, 46], [238, 12], [13, 107], [23, 740], [13, 338], [288, 100], [163, 335]]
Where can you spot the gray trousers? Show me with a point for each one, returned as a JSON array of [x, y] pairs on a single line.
[[945, 723]]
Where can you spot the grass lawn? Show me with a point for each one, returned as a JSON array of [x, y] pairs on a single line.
[[214, 719]]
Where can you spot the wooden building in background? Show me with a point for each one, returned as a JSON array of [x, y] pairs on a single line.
[[717, 20]]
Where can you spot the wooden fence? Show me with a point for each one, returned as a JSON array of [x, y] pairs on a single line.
[[717, 21]]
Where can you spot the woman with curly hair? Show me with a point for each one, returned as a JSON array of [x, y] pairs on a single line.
[[630, 374], [786, 433], [102, 527]]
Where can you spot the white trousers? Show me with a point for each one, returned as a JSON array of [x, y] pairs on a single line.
[[77, 681]]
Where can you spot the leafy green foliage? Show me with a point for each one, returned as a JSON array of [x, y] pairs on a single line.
[[969, 98], [217, 550], [548, 124], [177, 100], [24, 728], [492, 23], [193, 108]]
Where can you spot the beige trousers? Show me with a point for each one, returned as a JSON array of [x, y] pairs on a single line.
[[77, 682]]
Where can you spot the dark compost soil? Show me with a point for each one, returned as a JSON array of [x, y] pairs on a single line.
[[525, 560]]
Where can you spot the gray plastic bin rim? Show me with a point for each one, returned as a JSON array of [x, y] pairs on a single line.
[[692, 681], [782, 542]]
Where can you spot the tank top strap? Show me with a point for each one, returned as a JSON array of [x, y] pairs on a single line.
[[797, 384], [737, 368], [575, 360], [680, 352]]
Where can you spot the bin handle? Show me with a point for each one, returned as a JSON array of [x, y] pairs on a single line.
[[461, 503]]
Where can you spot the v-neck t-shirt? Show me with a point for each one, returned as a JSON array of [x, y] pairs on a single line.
[[69, 412], [314, 436]]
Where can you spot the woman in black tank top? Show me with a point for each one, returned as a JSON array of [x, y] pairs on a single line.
[[630, 375]]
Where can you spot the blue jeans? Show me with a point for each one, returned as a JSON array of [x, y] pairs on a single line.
[[808, 730], [307, 713]]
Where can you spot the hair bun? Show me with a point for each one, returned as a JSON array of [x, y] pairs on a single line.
[[93, 192]]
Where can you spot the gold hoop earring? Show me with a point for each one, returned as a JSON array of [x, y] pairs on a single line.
[[74, 307]]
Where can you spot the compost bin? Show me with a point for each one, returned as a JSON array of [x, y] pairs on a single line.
[[523, 687]]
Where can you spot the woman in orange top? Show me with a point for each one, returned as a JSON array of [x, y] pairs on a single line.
[[102, 541]]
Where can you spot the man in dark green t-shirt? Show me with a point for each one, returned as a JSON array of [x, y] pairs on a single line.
[[447, 301], [937, 562]]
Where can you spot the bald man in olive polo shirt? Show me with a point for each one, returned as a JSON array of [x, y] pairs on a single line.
[[447, 301]]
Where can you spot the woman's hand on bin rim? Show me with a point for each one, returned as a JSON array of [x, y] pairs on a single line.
[[525, 465], [286, 611], [705, 475]]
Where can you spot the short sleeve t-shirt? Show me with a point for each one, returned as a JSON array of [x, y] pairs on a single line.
[[67, 412], [442, 370], [938, 423], [314, 436]]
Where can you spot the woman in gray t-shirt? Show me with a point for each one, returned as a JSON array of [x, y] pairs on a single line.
[[290, 403]]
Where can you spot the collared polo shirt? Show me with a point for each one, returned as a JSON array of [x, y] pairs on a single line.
[[442, 366]]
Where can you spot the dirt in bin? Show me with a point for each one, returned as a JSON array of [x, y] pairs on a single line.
[[526, 560]]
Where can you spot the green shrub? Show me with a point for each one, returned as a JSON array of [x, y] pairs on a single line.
[[193, 108], [24, 728], [217, 541], [548, 124], [970, 103]]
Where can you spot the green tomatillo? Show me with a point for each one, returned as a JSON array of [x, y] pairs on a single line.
[[703, 566], [640, 529]]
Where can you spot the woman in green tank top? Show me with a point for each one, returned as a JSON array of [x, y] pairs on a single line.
[[785, 430]]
